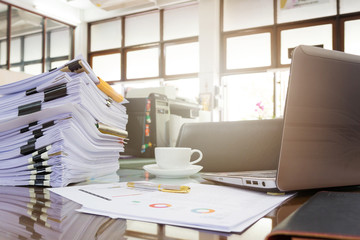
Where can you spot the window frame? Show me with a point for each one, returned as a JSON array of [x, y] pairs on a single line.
[[161, 44], [337, 21], [45, 59]]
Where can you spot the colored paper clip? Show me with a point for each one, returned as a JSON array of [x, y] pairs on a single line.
[[160, 187], [78, 67], [75, 66], [108, 90], [111, 130]]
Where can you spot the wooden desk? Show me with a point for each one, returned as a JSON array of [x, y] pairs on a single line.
[[37, 213]]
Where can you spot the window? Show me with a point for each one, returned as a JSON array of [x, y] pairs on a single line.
[[182, 58], [32, 47], [149, 49], [249, 96], [282, 80], [59, 43], [3, 35], [3, 57], [291, 11], [253, 14], [248, 51], [142, 63], [143, 28], [305, 35], [100, 65], [106, 35], [257, 44], [186, 88], [352, 37], [15, 51], [30, 51], [349, 6], [181, 22]]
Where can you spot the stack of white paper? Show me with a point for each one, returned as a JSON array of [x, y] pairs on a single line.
[[58, 128], [36, 213]]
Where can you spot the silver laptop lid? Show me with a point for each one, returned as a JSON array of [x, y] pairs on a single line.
[[321, 135]]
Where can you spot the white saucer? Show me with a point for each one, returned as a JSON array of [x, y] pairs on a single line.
[[172, 173]]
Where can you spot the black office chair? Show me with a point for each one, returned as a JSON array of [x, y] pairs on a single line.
[[234, 146]]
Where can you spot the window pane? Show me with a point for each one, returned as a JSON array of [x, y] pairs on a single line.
[[107, 67], [186, 88], [33, 47], [352, 37], [59, 43], [247, 14], [33, 69], [3, 34], [25, 23], [348, 6], [248, 51], [143, 63], [106, 35], [142, 29], [305, 36], [181, 22], [3, 52], [56, 64], [15, 50], [128, 86], [140, 84], [119, 88], [296, 10], [28, 26], [282, 80], [59, 40], [15, 69], [249, 96], [182, 58]]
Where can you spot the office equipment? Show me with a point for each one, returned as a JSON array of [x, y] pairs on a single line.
[[210, 207], [321, 135], [168, 91], [326, 215], [160, 187], [184, 108], [234, 146], [147, 124], [59, 127]]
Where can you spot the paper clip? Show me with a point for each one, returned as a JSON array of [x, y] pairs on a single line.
[[160, 187], [111, 130], [108, 90]]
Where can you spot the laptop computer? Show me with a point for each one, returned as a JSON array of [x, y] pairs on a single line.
[[320, 145]]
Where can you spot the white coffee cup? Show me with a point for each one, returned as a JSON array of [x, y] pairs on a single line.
[[175, 157]]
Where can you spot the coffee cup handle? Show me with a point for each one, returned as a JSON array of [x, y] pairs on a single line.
[[199, 158]]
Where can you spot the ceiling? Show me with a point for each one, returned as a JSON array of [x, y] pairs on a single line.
[[77, 11]]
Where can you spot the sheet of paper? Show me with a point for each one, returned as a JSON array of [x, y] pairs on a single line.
[[210, 207]]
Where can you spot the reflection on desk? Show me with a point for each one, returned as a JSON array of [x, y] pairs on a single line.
[[37, 213]]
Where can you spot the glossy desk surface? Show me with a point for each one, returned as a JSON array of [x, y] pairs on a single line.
[[37, 213]]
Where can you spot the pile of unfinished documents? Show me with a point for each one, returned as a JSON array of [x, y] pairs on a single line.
[[60, 127]]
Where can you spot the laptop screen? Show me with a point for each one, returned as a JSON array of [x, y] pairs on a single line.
[[321, 135]]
